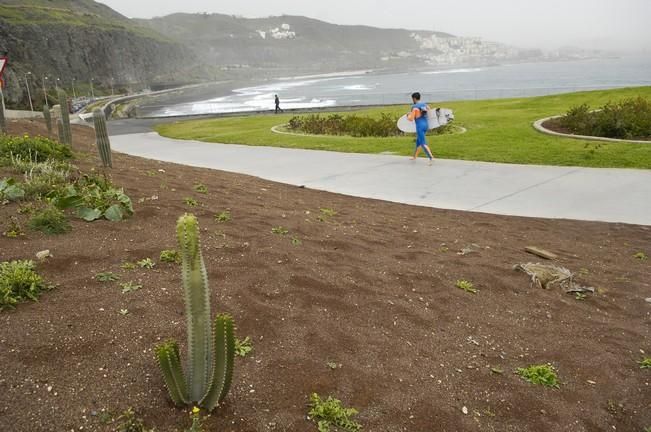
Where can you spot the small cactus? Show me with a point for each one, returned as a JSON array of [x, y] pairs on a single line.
[[65, 117], [211, 349], [3, 125], [48, 119], [102, 138], [61, 131]]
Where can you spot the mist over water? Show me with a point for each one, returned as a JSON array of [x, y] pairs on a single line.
[[367, 88]]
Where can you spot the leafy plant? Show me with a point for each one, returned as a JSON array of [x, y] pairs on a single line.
[[328, 212], [195, 418], [124, 312], [95, 197], [10, 191], [580, 296], [107, 277], [191, 202], [170, 256], [128, 266], [50, 220], [19, 282], [36, 149], [296, 241], [146, 263], [200, 188], [44, 179], [243, 347], [130, 286], [641, 256], [467, 286], [279, 230], [130, 422], [222, 217], [330, 413], [645, 363], [211, 351], [544, 375]]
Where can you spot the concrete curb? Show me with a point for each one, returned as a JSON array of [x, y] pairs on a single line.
[[538, 125]]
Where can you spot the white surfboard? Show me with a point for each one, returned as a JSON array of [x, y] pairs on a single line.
[[436, 117]]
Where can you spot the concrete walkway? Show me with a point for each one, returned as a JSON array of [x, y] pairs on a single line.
[[612, 195]]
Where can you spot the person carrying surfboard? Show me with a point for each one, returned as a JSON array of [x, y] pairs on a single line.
[[418, 114]]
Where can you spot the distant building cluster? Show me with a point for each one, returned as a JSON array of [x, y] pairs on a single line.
[[454, 50], [283, 32]]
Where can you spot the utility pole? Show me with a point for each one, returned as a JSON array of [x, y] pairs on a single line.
[[29, 94], [45, 90], [74, 94], [92, 91]]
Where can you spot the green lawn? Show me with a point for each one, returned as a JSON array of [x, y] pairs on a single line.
[[498, 131]]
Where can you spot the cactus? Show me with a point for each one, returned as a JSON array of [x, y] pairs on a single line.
[[101, 137], [3, 125], [48, 119], [65, 117], [210, 350], [61, 131]]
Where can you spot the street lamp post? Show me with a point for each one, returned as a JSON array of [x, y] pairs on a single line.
[[45, 91], [29, 94], [92, 91], [74, 93]]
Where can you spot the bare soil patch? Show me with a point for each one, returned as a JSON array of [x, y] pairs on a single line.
[[371, 289]]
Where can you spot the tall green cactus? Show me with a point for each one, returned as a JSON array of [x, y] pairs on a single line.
[[61, 131], [211, 350], [3, 124], [65, 117], [102, 138], [48, 119]]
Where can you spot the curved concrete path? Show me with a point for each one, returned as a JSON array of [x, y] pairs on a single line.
[[598, 194]]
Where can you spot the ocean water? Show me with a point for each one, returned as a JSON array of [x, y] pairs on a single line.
[[369, 88]]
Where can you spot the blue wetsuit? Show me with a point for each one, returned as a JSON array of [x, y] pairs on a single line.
[[422, 125]]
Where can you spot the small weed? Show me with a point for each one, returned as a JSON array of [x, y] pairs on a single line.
[[584, 271], [104, 417], [19, 282], [444, 249], [191, 202], [128, 266], [146, 263], [26, 209], [497, 371], [641, 256], [467, 286], [14, 229], [50, 221], [243, 347], [124, 312], [580, 296], [330, 413], [333, 365], [544, 375], [647, 429], [200, 188], [645, 363], [296, 241], [130, 286], [170, 256], [279, 230], [222, 217], [129, 422], [151, 173], [197, 422], [107, 277], [328, 212]]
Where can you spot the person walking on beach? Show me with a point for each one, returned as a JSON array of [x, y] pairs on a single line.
[[418, 114], [277, 102]]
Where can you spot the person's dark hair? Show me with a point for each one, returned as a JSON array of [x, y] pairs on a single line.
[[415, 96]]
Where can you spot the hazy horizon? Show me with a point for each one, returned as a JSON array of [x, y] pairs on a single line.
[[590, 24]]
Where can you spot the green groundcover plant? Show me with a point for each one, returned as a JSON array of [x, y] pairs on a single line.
[[19, 282], [36, 149]]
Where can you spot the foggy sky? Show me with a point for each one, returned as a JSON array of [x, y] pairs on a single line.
[[610, 24]]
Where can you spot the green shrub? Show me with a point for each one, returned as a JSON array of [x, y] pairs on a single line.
[[352, 125], [95, 197], [170, 256], [50, 220], [36, 149], [544, 375], [626, 119], [330, 413], [44, 178], [19, 282]]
